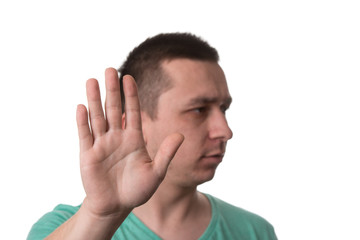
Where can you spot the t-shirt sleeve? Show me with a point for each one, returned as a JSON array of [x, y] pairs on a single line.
[[51, 221]]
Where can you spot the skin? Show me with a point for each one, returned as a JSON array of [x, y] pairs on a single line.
[[128, 168], [195, 107]]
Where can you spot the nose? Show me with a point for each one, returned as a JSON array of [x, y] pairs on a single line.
[[219, 127]]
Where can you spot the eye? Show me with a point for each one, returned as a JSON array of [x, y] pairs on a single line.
[[199, 110]]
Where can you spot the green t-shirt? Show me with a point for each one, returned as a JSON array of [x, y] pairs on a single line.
[[227, 222]]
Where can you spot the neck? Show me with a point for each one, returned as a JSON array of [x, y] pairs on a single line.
[[173, 208], [171, 203]]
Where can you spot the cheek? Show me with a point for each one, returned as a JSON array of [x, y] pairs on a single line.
[[194, 143]]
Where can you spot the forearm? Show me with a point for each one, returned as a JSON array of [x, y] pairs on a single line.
[[85, 225]]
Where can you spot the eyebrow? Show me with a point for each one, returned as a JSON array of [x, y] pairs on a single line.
[[208, 100]]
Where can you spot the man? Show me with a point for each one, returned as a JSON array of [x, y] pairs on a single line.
[[142, 160]]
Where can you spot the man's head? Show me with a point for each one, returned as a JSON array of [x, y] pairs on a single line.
[[144, 63], [182, 89]]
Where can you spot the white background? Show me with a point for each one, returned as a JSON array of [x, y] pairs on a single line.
[[293, 68]]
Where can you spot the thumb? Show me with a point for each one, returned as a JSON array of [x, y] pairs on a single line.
[[166, 152]]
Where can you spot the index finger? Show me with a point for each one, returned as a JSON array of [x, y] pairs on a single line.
[[132, 104]]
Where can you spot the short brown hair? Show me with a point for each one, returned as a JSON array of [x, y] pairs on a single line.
[[144, 64]]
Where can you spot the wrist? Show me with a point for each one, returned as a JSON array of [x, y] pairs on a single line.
[[111, 215], [87, 224]]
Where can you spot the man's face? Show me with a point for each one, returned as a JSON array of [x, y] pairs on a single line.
[[195, 107]]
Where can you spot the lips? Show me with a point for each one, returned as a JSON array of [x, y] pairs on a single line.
[[215, 155], [213, 158]]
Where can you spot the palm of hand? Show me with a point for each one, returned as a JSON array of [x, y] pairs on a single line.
[[116, 169]]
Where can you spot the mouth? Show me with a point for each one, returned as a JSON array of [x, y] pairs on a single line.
[[214, 158]]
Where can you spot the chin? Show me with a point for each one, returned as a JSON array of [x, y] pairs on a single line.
[[193, 179], [205, 177]]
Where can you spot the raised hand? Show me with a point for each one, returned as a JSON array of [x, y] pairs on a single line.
[[117, 172]]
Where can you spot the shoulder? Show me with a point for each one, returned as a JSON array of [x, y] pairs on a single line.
[[51, 220], [226, 210], [240, 221]]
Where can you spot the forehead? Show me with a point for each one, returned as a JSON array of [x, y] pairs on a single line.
[[195, 79]]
